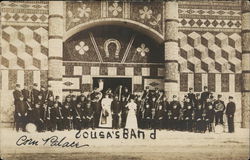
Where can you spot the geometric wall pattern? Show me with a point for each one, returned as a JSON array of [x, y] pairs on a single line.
[[24, 47], [213, 52], [86, 71], [149, 14]]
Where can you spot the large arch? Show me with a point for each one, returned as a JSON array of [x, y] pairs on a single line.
[[116, 21]]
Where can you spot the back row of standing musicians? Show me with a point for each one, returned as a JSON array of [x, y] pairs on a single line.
[[120, 109]]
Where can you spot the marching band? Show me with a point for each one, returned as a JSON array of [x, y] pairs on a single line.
[[120, 109]]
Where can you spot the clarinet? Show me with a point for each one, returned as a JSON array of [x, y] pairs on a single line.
[[78, 114]]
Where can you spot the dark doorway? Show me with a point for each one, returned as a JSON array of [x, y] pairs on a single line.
[[113, 83]]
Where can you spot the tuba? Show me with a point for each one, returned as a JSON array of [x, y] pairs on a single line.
[[96, 96]]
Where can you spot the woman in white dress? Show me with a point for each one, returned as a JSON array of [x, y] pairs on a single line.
[[106, 117], [131, 118]]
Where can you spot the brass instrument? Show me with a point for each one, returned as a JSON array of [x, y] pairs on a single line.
[[97, 97]]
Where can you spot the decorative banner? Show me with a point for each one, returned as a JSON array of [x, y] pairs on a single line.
[[154, 83], [71, 83]]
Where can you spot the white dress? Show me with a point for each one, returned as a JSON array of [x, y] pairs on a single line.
[[106, 121], [131, 118]]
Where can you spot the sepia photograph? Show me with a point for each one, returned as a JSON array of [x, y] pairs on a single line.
[[125, 80]]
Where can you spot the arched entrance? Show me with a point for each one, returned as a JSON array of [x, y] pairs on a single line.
[[117, 54]]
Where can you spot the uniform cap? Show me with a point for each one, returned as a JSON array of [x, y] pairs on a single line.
[[17, 85], [219, 95], [230, 97], [35, 84]]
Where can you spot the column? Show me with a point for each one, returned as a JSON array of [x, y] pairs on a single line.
[[55, 46], [245, 100], [171, 84]]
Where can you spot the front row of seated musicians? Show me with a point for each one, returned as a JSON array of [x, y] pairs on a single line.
[[121, 109]]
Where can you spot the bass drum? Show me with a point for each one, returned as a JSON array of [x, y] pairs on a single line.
[[31, 127]]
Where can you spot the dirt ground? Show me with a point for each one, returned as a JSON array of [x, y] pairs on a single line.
[[168, 145]]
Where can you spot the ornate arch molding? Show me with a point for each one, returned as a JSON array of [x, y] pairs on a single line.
[[116, 21]]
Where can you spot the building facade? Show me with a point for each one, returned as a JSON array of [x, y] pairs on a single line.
[[171, 45]]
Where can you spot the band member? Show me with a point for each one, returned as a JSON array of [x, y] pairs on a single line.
[[50, 118], [22, 113], [36, 116], [78, 116], [124, 111], [199, 119], [167, 110], [95, 98], [187, 115], [48, 93], [126, 94], [81, 97], [146, 94], [210, 118], [159, 117], [175, 110], [119, 92], [43, 93], [34, 93], [197, 101], [88, 116], [147, 117], [73, 105], [25, 93], [58, 102], [45, 116], [67, 114], [116, 112], [230, 110], [191, 96], [106, 117], [17, 93], [219, 108], [58, 116], [204, 95], [30, 108]]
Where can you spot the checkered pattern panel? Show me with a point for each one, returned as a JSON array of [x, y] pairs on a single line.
[[24, 48], [83, 73], [216, 82], [9, 78], [215, 52]]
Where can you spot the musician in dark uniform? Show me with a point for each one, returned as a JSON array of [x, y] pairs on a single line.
[[187, 115], [95, 97], [175, 110], [73, 105], [45, 116], [116, 112], [153, 106], [50, 121], [210, 117], [17, 93], [21, 111], [191, 96], [34, 93], [124, 111], [36, 116], [147, 117], [219, 107], [48, 93], [78, 116], [199, 119], [147, 94], [57, 100], [167, 113], [25, 93], [159, 117], [204, 96], [30, 108], [67, 113], [81, 98], [230, 110], [119, 92], [88, 116], [58, 116], [43, 93]]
